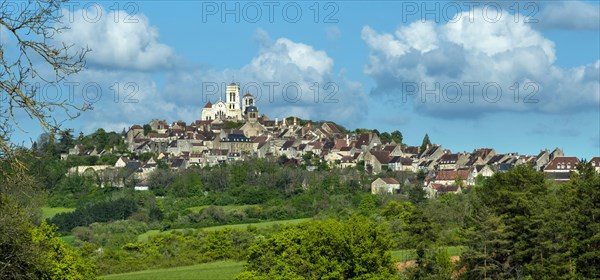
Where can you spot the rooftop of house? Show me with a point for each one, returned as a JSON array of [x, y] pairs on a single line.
[[390, 181], [562, 163]]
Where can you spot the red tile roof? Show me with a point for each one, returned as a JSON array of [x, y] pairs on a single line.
[[390, 181], [448, 175]]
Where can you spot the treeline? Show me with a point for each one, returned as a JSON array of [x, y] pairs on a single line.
[[105, 211], [520, 225]]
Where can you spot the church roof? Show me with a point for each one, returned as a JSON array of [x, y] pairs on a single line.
[[248, 94], [208, 105], [251, 109]]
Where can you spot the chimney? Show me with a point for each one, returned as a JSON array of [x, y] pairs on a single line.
[[347, 140], [276, 121], [294, 121]]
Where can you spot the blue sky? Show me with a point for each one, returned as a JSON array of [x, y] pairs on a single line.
[[373, 62]]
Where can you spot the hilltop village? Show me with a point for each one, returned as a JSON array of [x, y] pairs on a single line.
[[234, 130]]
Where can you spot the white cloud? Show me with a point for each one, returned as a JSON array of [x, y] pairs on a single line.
[[284, 52], [385, 43], [499, 54], [118, 43], [569, 15], [419, 35], [283, 62]]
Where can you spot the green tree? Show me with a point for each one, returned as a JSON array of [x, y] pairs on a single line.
[[368, 204], [505, 225], [328, 249], [426, 142], [30, 252], [187, 184], [581, 207], [66, 141], [147, 129], [397, 136]]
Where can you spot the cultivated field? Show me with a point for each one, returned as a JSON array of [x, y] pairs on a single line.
[[260, 225], [214, 271], [228, 269]]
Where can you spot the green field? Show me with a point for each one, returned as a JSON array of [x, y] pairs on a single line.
[[224, 207], [209, 271], [228, 269], [49, 212], [261, 225]]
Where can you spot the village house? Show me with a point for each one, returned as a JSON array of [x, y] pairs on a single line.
[[435, 190], [366, 141], [481, 169], [237, 143], [385, 185], [431, 153], [449, 177], [595, 161], [398, 163], [560, 168], [376, 161]]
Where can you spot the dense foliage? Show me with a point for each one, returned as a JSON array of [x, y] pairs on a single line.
[[521, 225], [328, 249], [30, 252], [119, 209]]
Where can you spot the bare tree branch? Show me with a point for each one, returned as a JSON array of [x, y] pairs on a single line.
[[26, 48]]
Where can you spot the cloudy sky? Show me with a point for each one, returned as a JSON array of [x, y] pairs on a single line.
[[515, 76]]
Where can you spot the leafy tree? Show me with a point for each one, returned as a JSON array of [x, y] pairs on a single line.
[[30, 252], [232, 125], [119, 209], [282, 159], [27, 251], [308, 158], [416, 194], [186, 185], [160, 180], [506, 225], [146, 156], [328, 249], [147, 129], [66, 141], [398, 210], [397, 136], [59, 260], [368, 204], [421, 175]]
